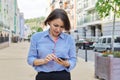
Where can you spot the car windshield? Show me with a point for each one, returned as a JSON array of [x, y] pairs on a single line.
[[81, 40], [117, 40]]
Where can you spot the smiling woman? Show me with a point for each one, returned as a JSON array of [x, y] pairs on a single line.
[[32, 8]]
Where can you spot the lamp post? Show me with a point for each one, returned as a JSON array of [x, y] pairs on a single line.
[[113, 31], [85, 45]]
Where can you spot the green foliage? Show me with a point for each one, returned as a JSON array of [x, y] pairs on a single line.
[[104, 7], [105, 55], [115, 54], [35, 20], [35, 29], [39, 29], [35, 25]]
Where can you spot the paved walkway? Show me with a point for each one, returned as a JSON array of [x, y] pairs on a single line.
[[13, 65]]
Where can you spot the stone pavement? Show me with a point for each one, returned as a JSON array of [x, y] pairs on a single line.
[[13, 65]]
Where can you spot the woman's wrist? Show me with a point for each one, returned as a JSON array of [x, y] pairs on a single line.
[[39, 62], [44, 61]]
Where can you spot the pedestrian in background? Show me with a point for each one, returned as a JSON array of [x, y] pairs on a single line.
[[52, 52]]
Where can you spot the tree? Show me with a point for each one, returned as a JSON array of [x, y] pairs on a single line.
[[34, 29], [39, 29], [35, 24], [104, 8]]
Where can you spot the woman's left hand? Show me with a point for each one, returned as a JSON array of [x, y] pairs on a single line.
[[62, 62]]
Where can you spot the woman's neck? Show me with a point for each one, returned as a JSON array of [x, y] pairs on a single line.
[[54, 37]]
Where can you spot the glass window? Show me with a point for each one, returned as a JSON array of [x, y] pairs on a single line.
[[104, 40], [117, 40], [109, 40]]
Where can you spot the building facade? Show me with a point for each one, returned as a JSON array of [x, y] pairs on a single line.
[[9, 20], [90, 25], [21, 25]]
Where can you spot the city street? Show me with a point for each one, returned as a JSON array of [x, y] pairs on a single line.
[[90, 25], [13, 64]]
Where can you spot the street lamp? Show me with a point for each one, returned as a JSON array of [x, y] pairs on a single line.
[[85, 44]]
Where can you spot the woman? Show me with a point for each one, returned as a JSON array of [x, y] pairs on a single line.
[[52, 52]]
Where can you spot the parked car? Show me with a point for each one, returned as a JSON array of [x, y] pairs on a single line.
[[93, 45], [82, 44], [105, 43]]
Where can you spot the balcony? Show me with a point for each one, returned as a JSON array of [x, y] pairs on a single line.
[[89, 19], [90, 5]]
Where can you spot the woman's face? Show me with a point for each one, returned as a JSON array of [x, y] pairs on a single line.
[[56, 27]]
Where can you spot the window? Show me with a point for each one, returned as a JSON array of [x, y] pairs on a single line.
[[104, 40], [109, 40], [117, 40]]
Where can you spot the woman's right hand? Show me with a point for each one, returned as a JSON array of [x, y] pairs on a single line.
[[49, 57]]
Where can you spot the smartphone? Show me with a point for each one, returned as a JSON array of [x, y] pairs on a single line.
[[63, 58]]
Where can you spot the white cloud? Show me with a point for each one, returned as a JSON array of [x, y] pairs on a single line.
[[32, 8]]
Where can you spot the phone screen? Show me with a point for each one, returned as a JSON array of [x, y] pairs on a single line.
[[63, 58]]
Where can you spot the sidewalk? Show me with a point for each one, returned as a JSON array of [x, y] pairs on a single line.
[[13, 65], [83, 70]]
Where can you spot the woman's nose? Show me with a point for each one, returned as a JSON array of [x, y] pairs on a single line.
[[58, 29]]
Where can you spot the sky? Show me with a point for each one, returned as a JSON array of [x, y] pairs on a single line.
[[32, 8]]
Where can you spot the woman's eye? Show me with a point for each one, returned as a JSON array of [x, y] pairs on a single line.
[[56, 25], [62, 26]]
